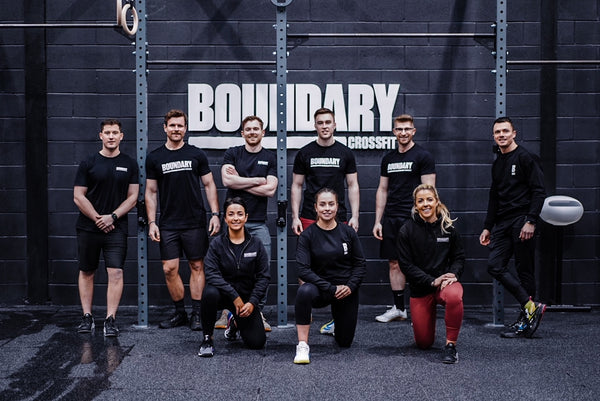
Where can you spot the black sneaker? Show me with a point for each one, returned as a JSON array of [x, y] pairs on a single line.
[[518, 328], [87, 324], [231, 330], [178, 319], [207, 350], [195, 322], [534, 319], [110, 328], [449, 354]]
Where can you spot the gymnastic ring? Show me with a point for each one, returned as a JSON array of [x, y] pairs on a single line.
[[134, 28], [280, 3]]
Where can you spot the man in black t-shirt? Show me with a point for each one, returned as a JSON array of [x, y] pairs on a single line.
[[324, 163], [250, 172], [516, 199], [402, 170], [173, 174], [106, 189]]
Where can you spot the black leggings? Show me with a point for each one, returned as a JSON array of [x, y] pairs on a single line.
[[344, 311], [251, 328]]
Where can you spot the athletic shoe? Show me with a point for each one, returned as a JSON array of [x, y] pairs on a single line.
[[231, 330], [195, 322], [449, 354], [534, 319], [328, 328], [392, 314], [266, 324], [177, 319], [517, 329], [207, 350], [302, 353], [87, 324], [110, 328], [222, 322]]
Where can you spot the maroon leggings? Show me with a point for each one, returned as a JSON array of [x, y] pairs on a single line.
[[423, 314]]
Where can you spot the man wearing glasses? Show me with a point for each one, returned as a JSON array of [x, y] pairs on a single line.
[[401, 171]]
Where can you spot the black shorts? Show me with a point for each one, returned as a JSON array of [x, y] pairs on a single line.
[[390, 226], [174, 243], [113, 246]]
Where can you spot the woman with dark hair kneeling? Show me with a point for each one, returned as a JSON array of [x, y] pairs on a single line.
[[237, 276], [331, 264], [432, 258]]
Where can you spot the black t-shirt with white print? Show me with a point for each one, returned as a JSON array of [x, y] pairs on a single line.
[[178, 175], [247, 164], [107, 181], [404, 171], [324, 167]]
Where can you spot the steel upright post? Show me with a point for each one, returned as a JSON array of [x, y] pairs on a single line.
[[281, 72], [501, 52], [141, 97]]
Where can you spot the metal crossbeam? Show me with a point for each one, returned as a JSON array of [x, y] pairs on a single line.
[[392, 35]]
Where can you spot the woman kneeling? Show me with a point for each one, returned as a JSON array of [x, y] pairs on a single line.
[[432, 258], [332, 265], [237, 276]]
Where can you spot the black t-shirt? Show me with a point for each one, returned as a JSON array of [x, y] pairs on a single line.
[[259, 164], [324, 167], [177, 173], [327, 258], [107, 181], [404, 171]]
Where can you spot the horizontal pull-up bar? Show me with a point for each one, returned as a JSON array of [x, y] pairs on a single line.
[[392, 35], [212, 62], [531, 62], [50, 25]]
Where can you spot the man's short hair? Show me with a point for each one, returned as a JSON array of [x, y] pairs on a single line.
[[404, 118], [110, 121], [252, 118], [504, 119], [323, 110], [174, 114]]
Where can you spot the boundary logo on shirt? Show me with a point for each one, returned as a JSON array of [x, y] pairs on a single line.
[[325, 162], [172, 167], [400, 167], [124, 169], [345, 247]]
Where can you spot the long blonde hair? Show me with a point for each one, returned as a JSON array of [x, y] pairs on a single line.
[[442, 211]]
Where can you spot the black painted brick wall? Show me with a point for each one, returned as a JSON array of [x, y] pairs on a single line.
[[446, 84]]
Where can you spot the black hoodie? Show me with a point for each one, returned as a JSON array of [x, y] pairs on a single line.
[[247, 276], [425, 253]]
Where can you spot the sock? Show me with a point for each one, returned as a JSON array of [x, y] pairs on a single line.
[[529, 306], [399, 299], [196, 305], [179, 306]]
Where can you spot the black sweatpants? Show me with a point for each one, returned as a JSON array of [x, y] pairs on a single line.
[[504, 243], [251, 328], [344, 311]]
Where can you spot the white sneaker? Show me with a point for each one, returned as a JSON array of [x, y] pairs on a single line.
[[392, 314], [302, 353]]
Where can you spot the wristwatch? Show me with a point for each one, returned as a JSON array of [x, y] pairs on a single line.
[[115, 217], [215, 214]]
